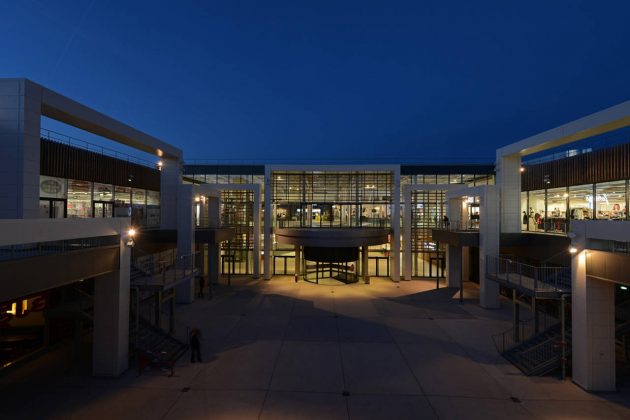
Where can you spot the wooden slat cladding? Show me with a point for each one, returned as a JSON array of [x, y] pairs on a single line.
[[63, 161], [588, 168]]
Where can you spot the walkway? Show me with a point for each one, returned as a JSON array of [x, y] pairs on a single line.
[[280, 350]]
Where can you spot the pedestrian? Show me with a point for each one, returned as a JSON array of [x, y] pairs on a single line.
[[195, 345], [446, 222]]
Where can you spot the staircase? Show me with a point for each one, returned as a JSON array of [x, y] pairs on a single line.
[[541, 354], [155, 347]]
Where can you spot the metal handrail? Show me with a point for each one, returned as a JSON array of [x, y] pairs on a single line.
[[527, 330], [166, 267], [529, 276], [458, 225], [91, 147]]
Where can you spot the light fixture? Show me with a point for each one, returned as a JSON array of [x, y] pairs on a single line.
[[623, 287], [159, 165], [131, 232], [573, 250], [522, 169]]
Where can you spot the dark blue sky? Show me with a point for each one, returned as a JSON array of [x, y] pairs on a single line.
[[406, 80]]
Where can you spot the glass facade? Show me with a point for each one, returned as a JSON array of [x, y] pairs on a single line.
[[551, 210], [61, 198]]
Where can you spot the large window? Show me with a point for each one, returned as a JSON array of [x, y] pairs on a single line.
[[527, 219], [122, 207], [79, 198], [611, 200], [581, 202], [103, 192], [537, 208]]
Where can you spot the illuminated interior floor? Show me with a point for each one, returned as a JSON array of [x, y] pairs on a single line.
[[280, 349]]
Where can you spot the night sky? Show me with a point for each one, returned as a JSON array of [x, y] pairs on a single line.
[[373, 81]]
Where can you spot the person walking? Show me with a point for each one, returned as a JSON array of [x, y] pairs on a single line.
[[195, 345]]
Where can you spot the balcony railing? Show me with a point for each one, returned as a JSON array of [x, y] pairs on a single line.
[[162, 268], [39, 249], [536, 279], [459, 225]]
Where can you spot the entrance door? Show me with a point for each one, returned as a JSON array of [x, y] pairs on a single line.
[[52, 208], [103, 209]]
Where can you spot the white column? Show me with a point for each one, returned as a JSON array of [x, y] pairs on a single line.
[[185, 291], [593, 328], [454, 264], [267, 226], [509, 183], [20, 119], [489, 236], [110, 355], [256, 231], [407, 232], [170, 179], [396, 228]]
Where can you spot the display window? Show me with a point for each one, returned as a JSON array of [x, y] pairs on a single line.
[[527, 218], [79, 198], [122, 205], [610, 200], [103, 192], [581, 202], [538, 209]]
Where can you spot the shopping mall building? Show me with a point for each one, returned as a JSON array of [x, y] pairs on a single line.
[[97, 244]]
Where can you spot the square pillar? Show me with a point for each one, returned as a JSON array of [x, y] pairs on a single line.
[[593, 328], [185, 291], [407, 232], [395, 254], [256, 255], [20, 121], [509, 183], [111, 319], [267, 225], [170, 179], [454, 264], [365, 253], [489, 235]]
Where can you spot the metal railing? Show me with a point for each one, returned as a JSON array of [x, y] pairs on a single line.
[[459, 225], [162, 268], [552, 226], [90, 147], [38, 249], [546, 279], [524, 331]]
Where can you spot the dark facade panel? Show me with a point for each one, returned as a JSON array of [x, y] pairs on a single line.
[[470, 169], [224, 169], [588, 168], [61, 160]]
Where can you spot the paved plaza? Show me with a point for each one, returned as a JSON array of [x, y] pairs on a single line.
[[281, 350]]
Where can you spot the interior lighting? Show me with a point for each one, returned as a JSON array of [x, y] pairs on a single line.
[[573, 250], [623, 287], [13, 310]]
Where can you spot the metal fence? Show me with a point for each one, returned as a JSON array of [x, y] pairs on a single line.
[[162, 268], [38, 249], [527, 276]]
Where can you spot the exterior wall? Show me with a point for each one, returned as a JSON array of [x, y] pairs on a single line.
[[20, 115]]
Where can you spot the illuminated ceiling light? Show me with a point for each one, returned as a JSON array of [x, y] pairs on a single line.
[[131, 232], [159, 165], [573, 250], [565, 195], [522, 169], [623, 287]]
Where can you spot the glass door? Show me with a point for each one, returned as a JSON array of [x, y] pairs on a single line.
[[50, 208], [103, 209]]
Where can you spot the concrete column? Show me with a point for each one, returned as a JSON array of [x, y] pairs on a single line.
[[407, 232], [267, 225], [256, 231], [489, 236], [185, 291], [454, 264], [20, 119], [454, 211], [365, 267], [170, 179], [509, 184], [111, 319], [593, 328], [395, 254], [214, 263], [298, 266], [466, 263]]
